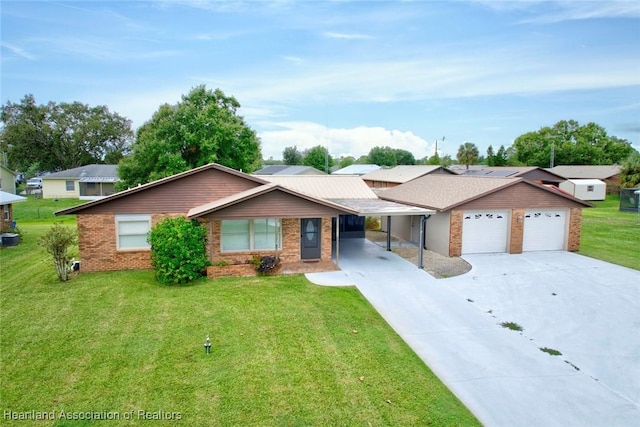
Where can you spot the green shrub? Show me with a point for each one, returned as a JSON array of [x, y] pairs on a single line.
[[57, 242], [178, 250], [372, 223]]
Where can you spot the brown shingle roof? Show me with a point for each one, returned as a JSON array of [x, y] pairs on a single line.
[[443, 192], [325, 186]]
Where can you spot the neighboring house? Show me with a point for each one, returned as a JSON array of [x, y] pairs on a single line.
[[7, 180], [356, 170], [385, 178], [610, 174], [87, 182], [530, 173], [485, 215], [6, 204], [288, 170], [585, 189], [244, 214]]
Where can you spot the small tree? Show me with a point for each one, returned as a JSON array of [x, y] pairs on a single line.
[[178, 250], [468, 154], [630, 171], [57, 242]]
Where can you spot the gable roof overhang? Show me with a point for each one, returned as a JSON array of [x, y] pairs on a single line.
[[258, 193], [8, 198], [143, 187], [490, 186], [380, 207]]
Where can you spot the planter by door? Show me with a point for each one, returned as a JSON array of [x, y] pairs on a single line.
[[310, 238]]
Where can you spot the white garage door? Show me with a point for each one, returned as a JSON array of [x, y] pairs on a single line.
[[484, 232], [544, 230]]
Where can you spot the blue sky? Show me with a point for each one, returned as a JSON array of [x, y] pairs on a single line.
[[349, 75]]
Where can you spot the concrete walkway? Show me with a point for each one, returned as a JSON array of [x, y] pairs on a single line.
[[587, 309]]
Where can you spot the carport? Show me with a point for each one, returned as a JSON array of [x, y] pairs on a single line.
[[388, 209]]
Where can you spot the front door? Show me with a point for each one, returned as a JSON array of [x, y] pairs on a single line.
[[310, 238]]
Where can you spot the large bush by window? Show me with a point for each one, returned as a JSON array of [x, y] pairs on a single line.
[[178, 250]]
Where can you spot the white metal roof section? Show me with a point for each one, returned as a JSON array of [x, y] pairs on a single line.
[[325, 186], [400, 174], [382, 207], [8, 198]]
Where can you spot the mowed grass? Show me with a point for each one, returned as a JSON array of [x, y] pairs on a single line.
[[285, 352], [611, 235]]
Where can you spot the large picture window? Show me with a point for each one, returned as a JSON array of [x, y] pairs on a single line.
[[132, 231], [250, 234]]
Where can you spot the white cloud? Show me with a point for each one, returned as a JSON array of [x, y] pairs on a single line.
[[346, 36], [16, 50], [340, 142]]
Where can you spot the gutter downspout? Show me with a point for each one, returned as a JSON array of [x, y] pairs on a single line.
[[423, 240], [211, 239]]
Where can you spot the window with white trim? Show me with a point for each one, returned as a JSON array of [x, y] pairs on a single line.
[[132, 231], [6, 212], [71, 185], [250, 234], [590, 188]]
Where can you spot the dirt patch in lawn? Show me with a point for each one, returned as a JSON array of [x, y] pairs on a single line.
[[439, 266]]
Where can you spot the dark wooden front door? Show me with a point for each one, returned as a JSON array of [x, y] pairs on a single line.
[[310, 238]]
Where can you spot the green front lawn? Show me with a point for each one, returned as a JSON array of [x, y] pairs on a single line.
[[285, 352], [611, 235], [42, 210]]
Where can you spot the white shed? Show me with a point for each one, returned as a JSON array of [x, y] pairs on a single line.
[[585, 189]]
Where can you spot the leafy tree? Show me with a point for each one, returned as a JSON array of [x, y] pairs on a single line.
[[382, 156], [62, 136], [271, 161], [433, 160], [387, 156], [318, 157], [497, 159], [446, 160], [202, 128], [57, 242], [630, 171], [291, 156], [362, 160], [490, 156], [468, 154], [178, 250], [568, 143], [345, 161], [404, 157]]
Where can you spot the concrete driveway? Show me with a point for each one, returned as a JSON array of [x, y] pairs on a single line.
[[586, 309]]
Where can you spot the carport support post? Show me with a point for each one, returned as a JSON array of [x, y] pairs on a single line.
[[388, 232], [423, 219], [338, 241]]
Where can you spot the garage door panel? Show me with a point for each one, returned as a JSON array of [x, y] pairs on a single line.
[[544, 230], [484, 232]]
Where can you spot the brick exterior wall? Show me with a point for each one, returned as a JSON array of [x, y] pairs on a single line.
[[5, 225], [238, 262], [98, 251], [575, 226], [516, 236], [455, 233], [98, 247]]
